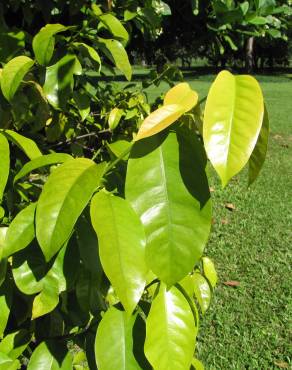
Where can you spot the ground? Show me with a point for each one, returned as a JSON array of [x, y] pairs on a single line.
[[249, 326]]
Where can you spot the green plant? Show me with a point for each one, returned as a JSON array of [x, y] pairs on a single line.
[[105, 254]]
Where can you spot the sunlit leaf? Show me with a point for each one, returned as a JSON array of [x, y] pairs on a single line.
[[209, 271], [114, 118], [4, 164], [202, 291], [183, 95], [114, 342], [28, 146], [232, 122], [114, 26]]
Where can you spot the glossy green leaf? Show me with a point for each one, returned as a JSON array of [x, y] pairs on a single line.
[[121, 246], [114, 118], [44, 42], [114, 26], [170, 331], [210, 271], [15, 343], [160, 119], [50, 355], [183, 95], [4, 164], [13, 73], [64, 196], [232, 122], [44, 160], [20, 232], [114, 342], [89, 51], [202, 291], [59, 81], [28, 146], [258, 155], [6, 363], [119, 56], [3, 261], [168, 188]]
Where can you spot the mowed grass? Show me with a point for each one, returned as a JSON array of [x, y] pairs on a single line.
[[249, 326]]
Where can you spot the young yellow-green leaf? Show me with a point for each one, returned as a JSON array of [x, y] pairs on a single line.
[[50, 356], [167, 186], [5, 304], [183, 95], [20, 232], [6, 363], [114, 26], [4, 164], [210, 271], [59, 80], [119, 147], [44, 160], [63, 198], [232, 122], [258, 155], [45, 301], [160, 119], [28, 146], [114, 342], [119, 55], [13, 73], [202, 291], [15, 343], [89, 51], [114, 118], [121, 240], [44, 42], [170, 331], [197, 364]]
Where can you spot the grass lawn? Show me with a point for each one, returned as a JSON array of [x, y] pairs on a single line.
[[249, 326]]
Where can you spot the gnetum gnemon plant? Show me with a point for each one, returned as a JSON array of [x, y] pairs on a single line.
[[102, 259]]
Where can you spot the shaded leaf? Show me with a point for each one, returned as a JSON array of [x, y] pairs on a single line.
[[258, 156], [89, 51], [28, 146], [63, 198], [114, 342], [114, 26], [83, 104]]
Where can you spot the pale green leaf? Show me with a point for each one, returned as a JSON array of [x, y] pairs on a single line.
[[89, 51], [258, 155], [210, 271], [121, 246], [20, 232], [114, 342], [15, 343], [44, 42], [170, 331], [44, 160], [28, 146], [202, 291], [160, 119], [63, 198], [13, 73], [50, 355], [119, 56], [6, 363], [119, 147], [4, 164], [197, 364], [45, 301], [232, 122], [114, 118], [183, 95], [168, 188]]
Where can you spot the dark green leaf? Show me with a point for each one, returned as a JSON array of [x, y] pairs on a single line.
[[4, 164]]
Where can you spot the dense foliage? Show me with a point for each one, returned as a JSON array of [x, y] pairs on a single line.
[[105, 206]]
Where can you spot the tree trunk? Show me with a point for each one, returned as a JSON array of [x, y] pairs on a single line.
[[249, 61]]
